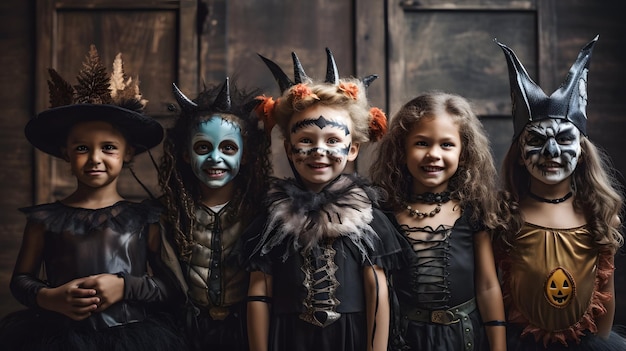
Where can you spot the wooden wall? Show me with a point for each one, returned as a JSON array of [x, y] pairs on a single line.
[[228, 34]]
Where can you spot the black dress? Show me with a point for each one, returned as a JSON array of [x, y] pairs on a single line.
[[439, 278], [316, 246], [82, 242]]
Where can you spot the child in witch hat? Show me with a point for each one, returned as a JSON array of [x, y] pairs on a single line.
[[93, 245]]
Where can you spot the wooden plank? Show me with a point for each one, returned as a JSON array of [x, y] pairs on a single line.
[[371, 52], [478, 5], [17, 31]]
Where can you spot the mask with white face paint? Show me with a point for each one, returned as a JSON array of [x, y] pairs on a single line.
[[568, 102], [550, 149], [215, 151]]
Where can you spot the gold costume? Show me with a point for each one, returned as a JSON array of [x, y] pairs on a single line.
[[551, 282]]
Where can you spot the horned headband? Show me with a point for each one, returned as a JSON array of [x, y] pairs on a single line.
[[568, 102], [222, 102], [208, 102], [332, 74], [377, 121]]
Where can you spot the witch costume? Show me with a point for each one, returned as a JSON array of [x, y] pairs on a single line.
[[80, 242]]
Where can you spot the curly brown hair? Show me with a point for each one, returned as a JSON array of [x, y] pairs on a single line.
[[181, 188], [473, 184], [598, 195]]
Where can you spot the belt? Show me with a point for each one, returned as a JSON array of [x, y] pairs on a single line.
[[453, 315]]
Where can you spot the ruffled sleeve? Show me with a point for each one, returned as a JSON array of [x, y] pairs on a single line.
[[123, 215], [392, 251]]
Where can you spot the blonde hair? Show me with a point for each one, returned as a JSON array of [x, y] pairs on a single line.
[[348, 94], [473, 184]]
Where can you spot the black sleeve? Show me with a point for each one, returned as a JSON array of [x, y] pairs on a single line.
[[25, 287]]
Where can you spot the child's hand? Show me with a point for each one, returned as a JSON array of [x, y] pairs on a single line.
[[69, 299], [109, 288]]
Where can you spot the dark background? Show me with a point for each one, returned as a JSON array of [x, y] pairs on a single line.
[[413, 46]]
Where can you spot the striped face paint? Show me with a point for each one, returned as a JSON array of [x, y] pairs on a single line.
[[333, 149], [320, 144], [550, 149]]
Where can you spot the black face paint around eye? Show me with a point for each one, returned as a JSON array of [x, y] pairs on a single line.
[[321, 123], [337, 153]]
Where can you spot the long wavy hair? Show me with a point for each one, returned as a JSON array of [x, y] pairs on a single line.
[[473, 184], [180, 186], [598, 195]]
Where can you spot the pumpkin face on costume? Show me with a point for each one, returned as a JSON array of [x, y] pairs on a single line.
[[560, 288]]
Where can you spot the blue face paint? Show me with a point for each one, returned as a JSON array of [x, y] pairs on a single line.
[[215, 151]]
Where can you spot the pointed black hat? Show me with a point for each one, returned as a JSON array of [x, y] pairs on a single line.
[[568, 102]]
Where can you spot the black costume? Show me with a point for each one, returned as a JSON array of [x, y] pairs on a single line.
[[316, 246], [437, 305], [82, 242]]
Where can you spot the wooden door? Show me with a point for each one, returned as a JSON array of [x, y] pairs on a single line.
[[158, 42], [449, 46]]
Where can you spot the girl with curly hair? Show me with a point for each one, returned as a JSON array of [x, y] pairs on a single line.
[[436, 166]]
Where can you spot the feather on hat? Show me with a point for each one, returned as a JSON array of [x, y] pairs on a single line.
[[115, 99]]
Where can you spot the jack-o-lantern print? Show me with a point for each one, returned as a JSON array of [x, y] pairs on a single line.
[[560, 288]]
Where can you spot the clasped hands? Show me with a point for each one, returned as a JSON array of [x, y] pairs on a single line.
[[79, 298]]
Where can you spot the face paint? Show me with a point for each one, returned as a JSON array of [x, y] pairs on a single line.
[[335, 153], [321, 123], [321, 146], [550, 149], [215, 151]]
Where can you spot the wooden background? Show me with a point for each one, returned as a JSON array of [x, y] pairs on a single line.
[[413, 46]]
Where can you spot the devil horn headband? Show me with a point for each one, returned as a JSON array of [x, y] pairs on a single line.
[[284, 83], [568, 102], [222, 102]]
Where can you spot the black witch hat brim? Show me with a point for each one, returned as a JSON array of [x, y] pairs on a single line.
[[48, 130]]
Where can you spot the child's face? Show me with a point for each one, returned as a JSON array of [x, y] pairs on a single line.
[[96, 152], [550, 149], [433, 148], [215, 151], [320, 144]]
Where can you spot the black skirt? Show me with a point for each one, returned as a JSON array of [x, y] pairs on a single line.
[[31, 330]]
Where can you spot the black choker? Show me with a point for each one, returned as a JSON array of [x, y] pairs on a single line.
[[430, 198], [550, 201]]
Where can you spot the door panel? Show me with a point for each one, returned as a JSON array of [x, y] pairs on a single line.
[[148, 34], [451, 48]]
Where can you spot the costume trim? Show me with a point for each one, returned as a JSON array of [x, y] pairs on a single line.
[[302, 218], [587, 321]]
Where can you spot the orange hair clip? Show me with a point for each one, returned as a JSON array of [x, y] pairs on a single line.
[[378, 124], [349, 89], [265, 111]]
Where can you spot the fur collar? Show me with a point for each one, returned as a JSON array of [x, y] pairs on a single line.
[[303, 218]]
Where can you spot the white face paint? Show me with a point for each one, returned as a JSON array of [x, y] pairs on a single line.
[[550, 149], [320, 144]]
